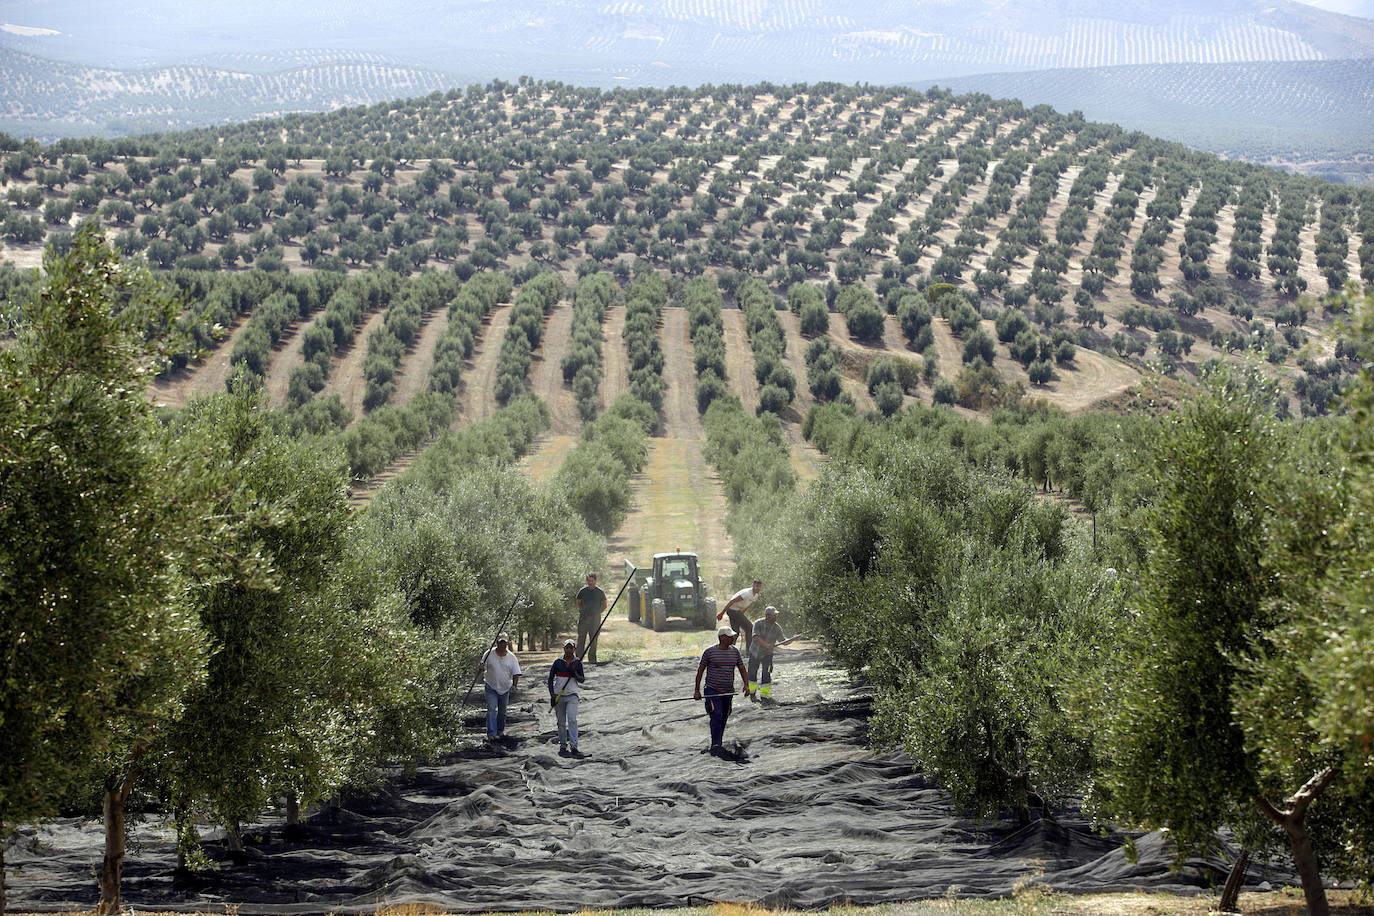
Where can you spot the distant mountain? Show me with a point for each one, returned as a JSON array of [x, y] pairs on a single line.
[[661, 42], [49, 99], [1315, 116]]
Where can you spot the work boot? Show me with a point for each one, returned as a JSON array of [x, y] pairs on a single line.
[[563, 750], [576, 753]]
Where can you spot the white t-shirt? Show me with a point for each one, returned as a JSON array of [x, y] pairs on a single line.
[[500, 671], [745, 597]]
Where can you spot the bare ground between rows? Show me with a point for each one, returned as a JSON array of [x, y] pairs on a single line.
[[808, 815], [478, 399]]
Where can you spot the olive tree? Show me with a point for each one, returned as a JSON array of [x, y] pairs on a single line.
[[99, 528]]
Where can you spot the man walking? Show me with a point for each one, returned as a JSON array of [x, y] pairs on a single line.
[[719, 664], [737, 606], [591, 604], [565, 679], [768, 636], [500, 676]]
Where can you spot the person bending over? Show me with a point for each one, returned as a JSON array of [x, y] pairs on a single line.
[[737, 606], [768, 636]]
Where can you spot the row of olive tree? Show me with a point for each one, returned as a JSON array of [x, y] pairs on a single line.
[[1216, 681], [196, 621], [388, 344], [581, 362], [524, 333], [702, 299], [777, 384]]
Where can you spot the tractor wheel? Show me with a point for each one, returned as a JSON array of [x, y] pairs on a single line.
[[660, 615], [707, 619], [633, 613]]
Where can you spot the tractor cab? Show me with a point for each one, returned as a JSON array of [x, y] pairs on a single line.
[[675, 588]]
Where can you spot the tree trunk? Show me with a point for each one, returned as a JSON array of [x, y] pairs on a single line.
[[112, 866], [233, 836], [293, 810], [1230, 892], [1292, 818], [1300, 841], [2, 870]]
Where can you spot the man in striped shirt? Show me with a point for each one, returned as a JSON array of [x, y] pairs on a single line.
[[719, 664]]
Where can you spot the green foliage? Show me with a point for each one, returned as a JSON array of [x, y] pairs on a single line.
[[595, 477], [961, 597], [581, 364], [524, 334], [644, 302], [769, 341], [102, 523], [294, 684], [1177, 755], [703, 301]]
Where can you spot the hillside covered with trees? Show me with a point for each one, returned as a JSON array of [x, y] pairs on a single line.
[[1054, 436]]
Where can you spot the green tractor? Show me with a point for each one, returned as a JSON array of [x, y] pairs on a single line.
[[675, 588]]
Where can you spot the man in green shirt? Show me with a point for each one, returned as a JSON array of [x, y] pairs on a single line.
[[591, 604]]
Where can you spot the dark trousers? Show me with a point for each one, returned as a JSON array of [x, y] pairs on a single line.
[[760, 668], [742, 626], [718, 708], [586, 626]]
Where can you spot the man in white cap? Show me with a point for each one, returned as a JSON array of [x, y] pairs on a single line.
[[500, 675], [768, 636], [565, 679], [738, 606], [719, 664]]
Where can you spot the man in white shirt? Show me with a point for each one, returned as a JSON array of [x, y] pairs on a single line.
[[500, 675], [737, 607]]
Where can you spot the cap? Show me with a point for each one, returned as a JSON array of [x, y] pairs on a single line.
[[503, 637], [725, 631], [570, 642], [769, 611]]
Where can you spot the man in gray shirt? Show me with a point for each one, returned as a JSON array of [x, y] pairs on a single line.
[[768, 636]]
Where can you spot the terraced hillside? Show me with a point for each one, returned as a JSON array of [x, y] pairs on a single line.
[[1316, 116], [48, 98], [668, 42], [973, 245]]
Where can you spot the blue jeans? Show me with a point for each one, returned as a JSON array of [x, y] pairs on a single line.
[[496, 711], [718, 708], [566, 712]]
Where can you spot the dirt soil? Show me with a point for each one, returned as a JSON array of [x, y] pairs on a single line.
[[615, 378], [546, 372], [193, 381], [413, 377], [805, 814], [346, 377], [286, 355], [478, 401]]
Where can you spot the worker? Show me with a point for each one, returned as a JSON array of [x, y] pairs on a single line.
[[565, 680], [768, 636], [737, 606], [501, 675], [591, 604], [719, 664]]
